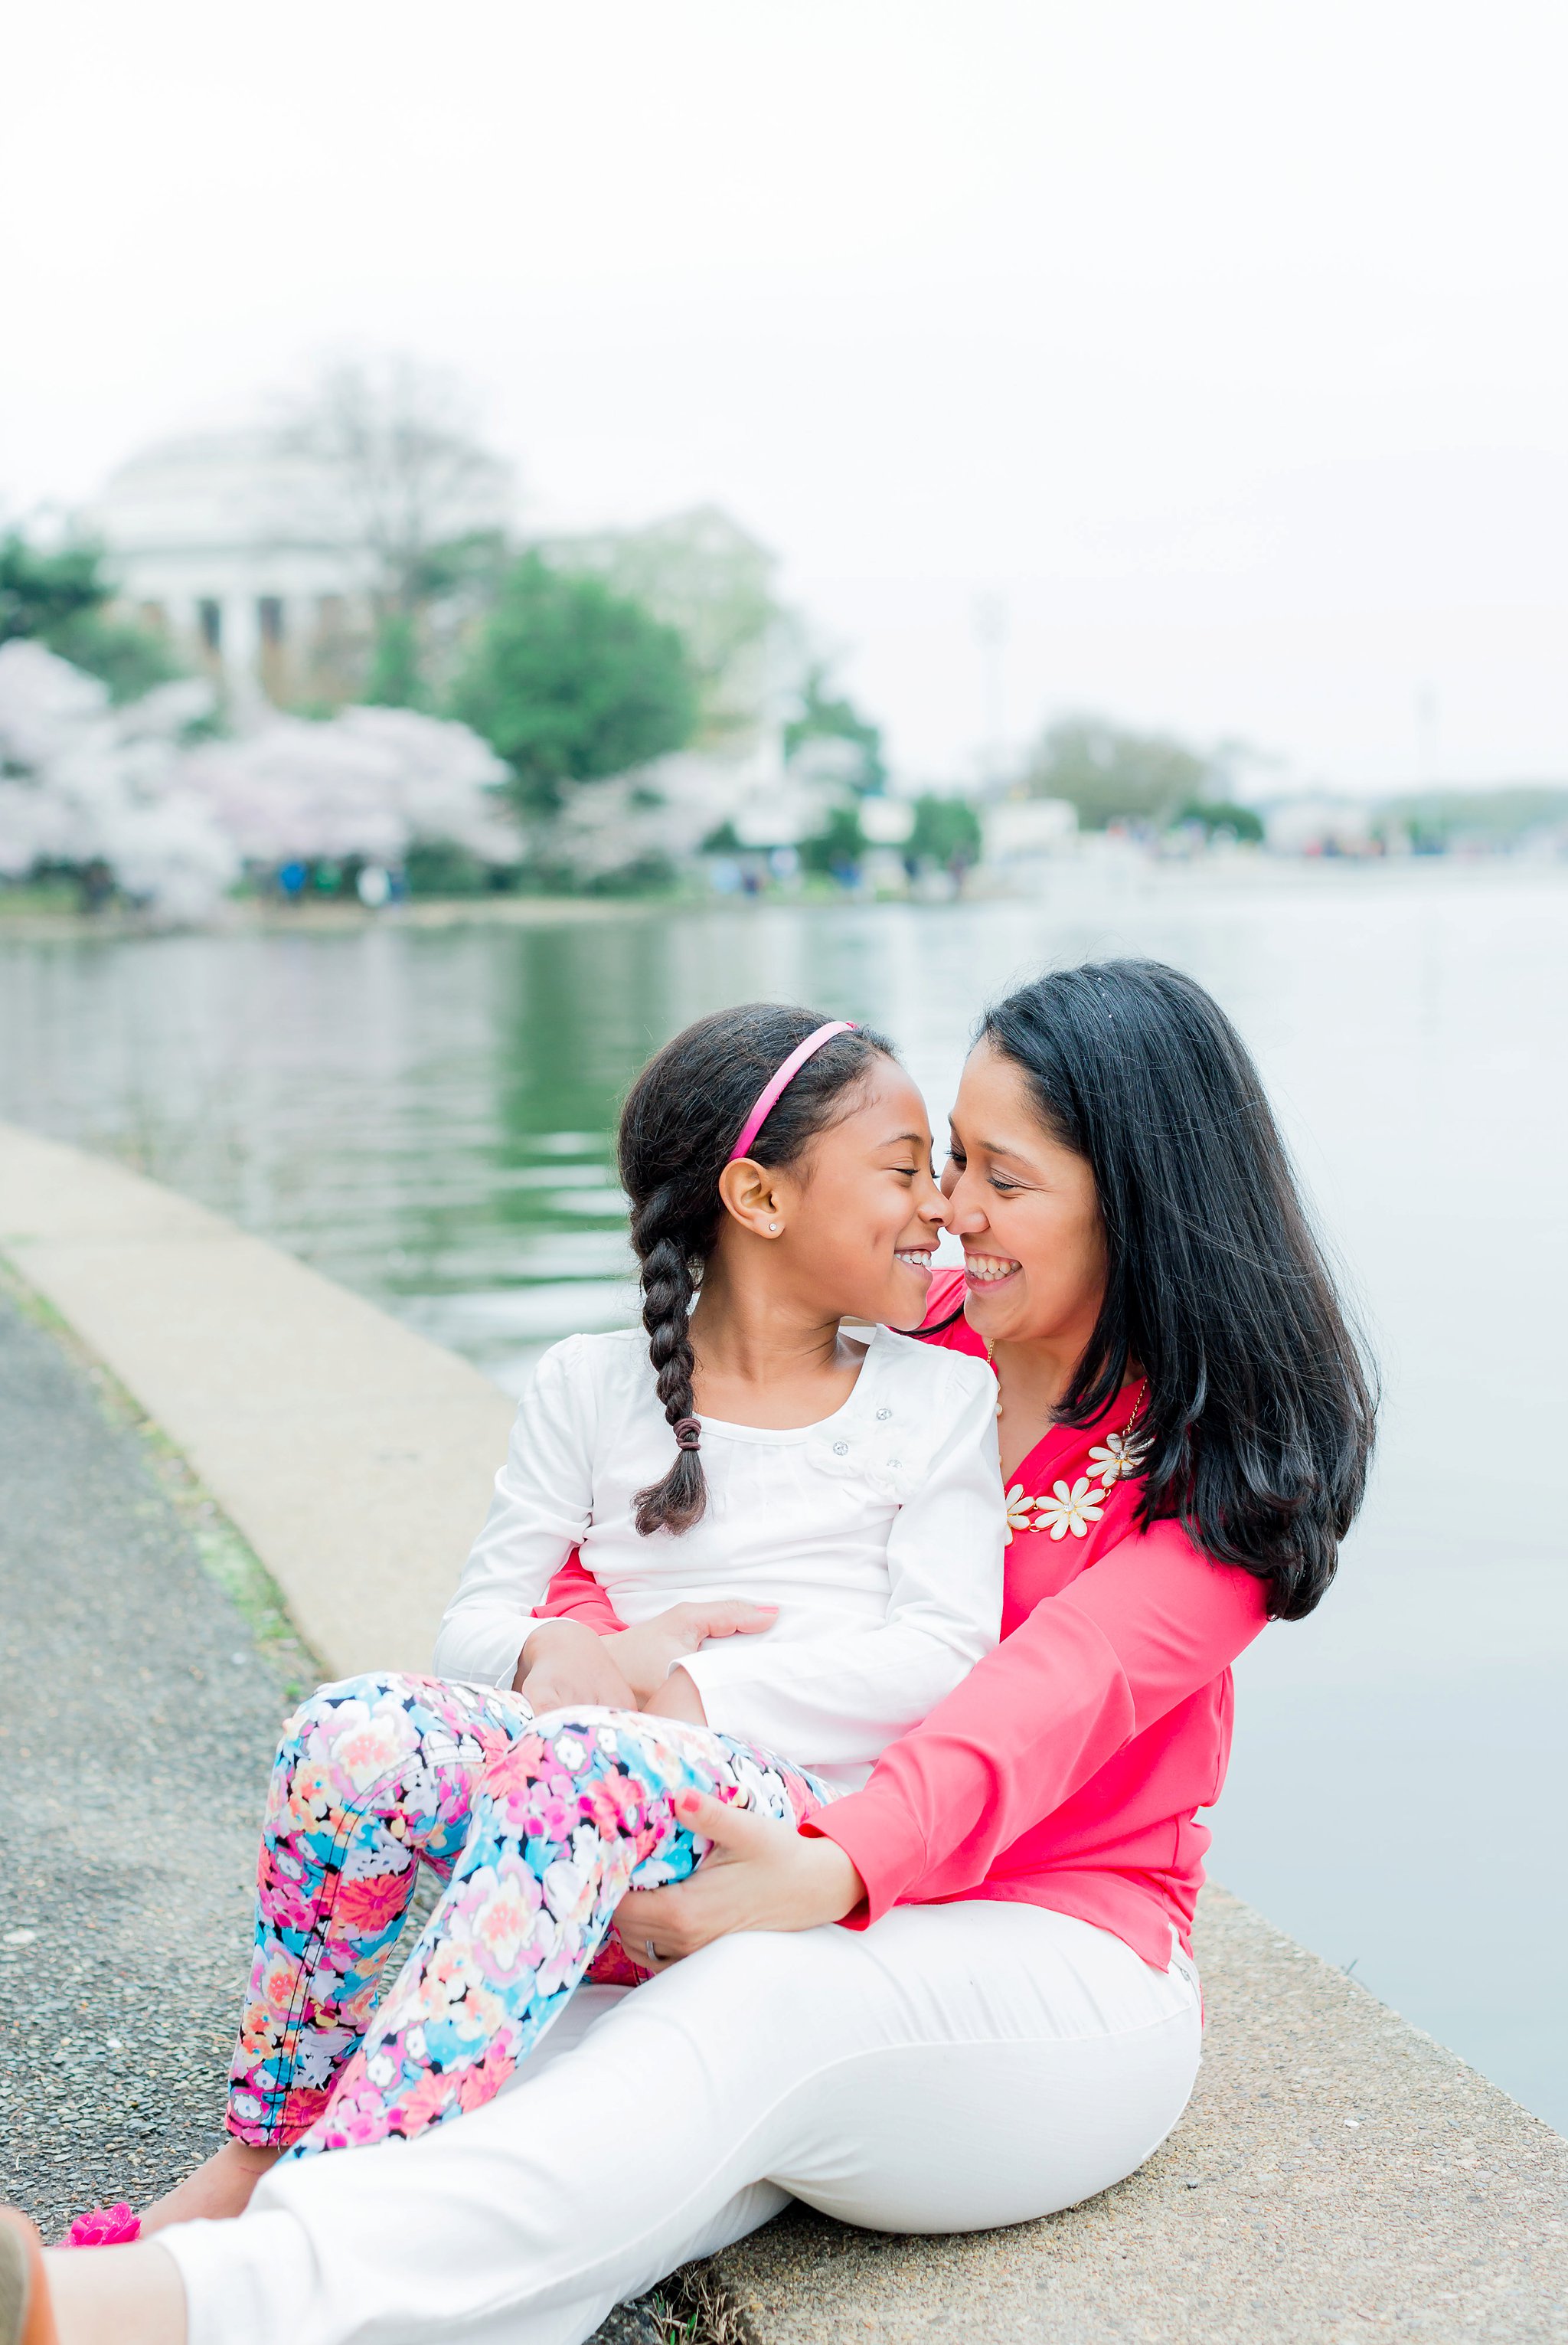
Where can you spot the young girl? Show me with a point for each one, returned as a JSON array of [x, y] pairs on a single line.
[[779, 1171]]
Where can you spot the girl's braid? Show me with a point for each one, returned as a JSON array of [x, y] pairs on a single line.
[[669, 1289]]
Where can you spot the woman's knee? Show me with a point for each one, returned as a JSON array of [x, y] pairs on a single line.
[[1026, 2129]]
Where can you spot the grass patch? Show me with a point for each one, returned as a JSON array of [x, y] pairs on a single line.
[[27, 899], [694, 2308]]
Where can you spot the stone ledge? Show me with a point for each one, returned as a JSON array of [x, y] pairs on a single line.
[[1338, 2175]]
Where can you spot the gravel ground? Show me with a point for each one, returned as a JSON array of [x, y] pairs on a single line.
[[145, 1668], [139, 1705]]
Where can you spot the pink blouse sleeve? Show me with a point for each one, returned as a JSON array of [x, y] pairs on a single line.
[[1135, 1635], [575, 1595]]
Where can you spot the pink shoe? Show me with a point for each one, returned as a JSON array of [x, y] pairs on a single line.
[[104, 2227]]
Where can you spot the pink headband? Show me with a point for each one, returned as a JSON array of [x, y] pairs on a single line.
[[774, 1089]]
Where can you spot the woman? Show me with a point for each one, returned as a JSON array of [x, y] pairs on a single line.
[[1185, 1427]]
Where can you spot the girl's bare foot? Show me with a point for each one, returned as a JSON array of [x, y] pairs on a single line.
[[220, 2188]]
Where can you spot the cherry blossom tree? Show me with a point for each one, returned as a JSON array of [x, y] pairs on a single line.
[[369, 783], [86, 783]]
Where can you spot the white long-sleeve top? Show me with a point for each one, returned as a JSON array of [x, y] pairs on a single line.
[[878, 1532]]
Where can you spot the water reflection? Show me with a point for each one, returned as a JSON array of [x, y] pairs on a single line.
[[426, 1116]]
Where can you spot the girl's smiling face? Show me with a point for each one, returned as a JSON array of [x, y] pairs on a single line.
[[1024, 1206], [859, 1218]]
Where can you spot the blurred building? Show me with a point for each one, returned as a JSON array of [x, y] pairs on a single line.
[[1023, 834], [1320, 826], [250, 555]]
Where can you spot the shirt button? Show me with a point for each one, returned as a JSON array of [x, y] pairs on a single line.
[[841, 1448], [883, 1415]]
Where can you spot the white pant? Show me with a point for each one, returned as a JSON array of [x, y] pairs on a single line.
[[951, 2068]]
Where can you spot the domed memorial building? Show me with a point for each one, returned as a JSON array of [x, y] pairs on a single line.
[[267, 564]]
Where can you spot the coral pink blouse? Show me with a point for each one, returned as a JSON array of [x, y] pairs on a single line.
[[1067, 1769]]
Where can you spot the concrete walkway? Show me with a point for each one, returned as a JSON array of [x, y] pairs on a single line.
[[1338, 2175]]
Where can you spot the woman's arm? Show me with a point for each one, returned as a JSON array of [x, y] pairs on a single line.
[[838, 1700], [1142, 1630], [1153, 1622], [575, 1595]]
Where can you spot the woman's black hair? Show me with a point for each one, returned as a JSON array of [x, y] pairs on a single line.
[[683, 1116], [1258, 1417]]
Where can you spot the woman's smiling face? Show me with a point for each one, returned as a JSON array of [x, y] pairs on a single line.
[[1025, 1207]]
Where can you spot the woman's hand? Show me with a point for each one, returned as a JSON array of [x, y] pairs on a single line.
[[759, 1876], [564, 1666], [646, 1656]]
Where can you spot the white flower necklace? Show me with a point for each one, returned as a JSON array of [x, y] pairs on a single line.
[[1073, 1508]]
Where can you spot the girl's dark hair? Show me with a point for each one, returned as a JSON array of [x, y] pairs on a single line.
[[683, 1116], [1259, 1412]]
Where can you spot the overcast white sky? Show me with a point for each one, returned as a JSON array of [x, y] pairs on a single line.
[[1227, 343]]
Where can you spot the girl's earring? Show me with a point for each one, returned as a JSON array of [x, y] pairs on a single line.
[[773, 1225]]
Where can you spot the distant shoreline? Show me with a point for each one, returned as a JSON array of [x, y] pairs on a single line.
[[1229, 876]]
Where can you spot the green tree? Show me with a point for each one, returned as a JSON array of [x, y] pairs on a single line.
[[416, 640], [1218, 815], [700, 573], [838, 847], [946, 829], [1112, 775], [826, 715], [60, 598], [396, 679], [569, 682]]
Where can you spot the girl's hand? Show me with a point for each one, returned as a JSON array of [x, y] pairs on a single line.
[[646, 1656], [759, 1876], [677, 1697], [564, 1666]]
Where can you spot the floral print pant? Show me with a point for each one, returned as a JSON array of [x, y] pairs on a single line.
[[539, 1825]]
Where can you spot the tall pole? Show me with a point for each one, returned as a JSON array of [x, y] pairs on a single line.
[[1426, 734], [991, 633]]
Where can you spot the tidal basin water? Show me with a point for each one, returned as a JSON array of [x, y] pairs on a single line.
[[424, 1114]]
